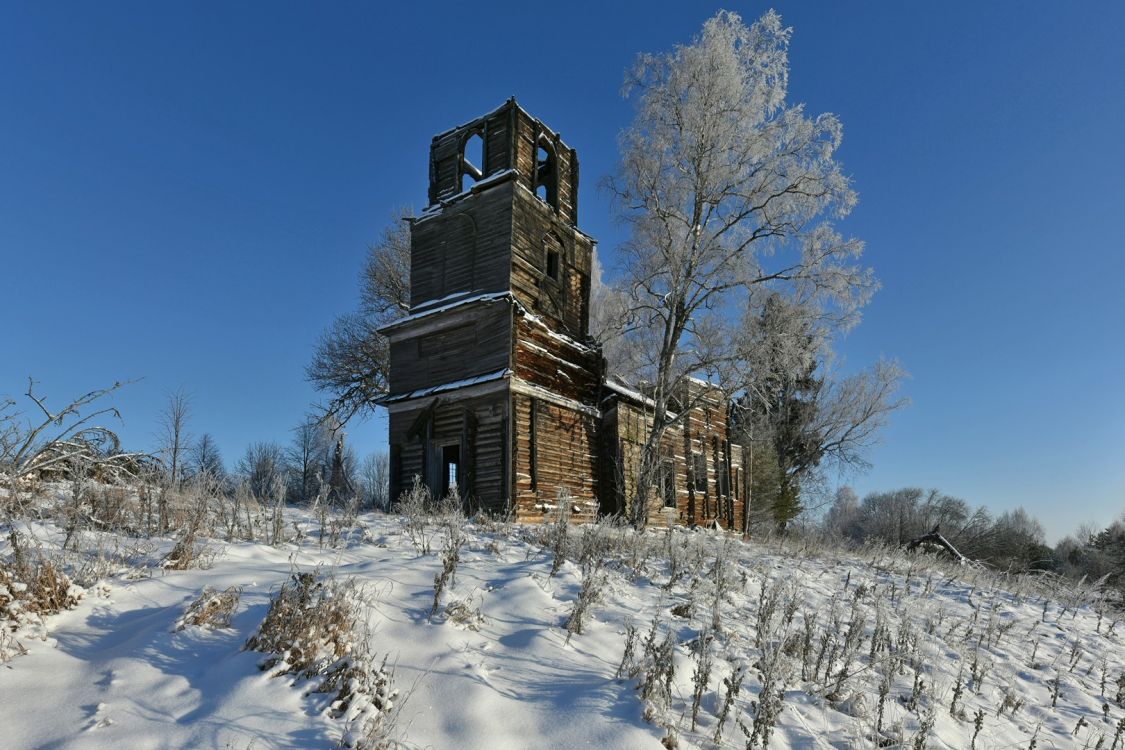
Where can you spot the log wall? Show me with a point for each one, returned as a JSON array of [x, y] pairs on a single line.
[[715, 494], [563, 301], [554, 449], [552, 362]]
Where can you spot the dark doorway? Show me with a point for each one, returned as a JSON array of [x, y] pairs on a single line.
[[668, 482], [450, 467]]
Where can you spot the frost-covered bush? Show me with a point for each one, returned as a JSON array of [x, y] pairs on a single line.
[[313, 630], [32, 586], [310, 623], [413, 507], [557, 531], [364, 698], [212, 609], [450, 557], [593, 585], [465, 612]]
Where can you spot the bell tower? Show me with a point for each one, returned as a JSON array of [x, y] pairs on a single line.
[[494, 380]]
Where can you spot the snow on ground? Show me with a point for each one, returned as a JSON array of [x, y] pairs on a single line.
[[823, 629]]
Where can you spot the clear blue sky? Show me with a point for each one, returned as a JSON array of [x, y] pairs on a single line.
[[187, 191]]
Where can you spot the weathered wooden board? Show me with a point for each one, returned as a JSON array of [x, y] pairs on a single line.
[[558, 454], [700, 438], [465, 249], [466, 343]]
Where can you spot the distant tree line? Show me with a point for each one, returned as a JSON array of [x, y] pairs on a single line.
[[1014, 540], [316, 465], [67, 442]]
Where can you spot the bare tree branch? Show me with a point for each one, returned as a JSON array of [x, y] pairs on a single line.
[[351, 359]]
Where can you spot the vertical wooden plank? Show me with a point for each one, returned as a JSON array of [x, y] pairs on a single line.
[[507, 440], [534, 437], [573, 187], [484, 151], [690, 470], [513, 136], [465, 481]]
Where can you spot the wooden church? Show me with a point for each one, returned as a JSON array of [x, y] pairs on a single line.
[[495, 383]]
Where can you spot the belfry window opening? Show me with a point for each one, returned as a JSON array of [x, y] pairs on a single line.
[[546, 173], [472, 161], [553, 252]]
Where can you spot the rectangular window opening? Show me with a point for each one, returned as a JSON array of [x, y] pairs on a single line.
[[450, 467], [668, 482], [699, 472]]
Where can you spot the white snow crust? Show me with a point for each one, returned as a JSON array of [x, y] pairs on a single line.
[[112, 673]]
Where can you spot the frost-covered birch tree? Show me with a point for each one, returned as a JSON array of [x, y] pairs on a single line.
[[727, 190]]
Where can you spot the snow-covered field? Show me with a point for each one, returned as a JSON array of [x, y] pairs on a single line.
[[690, 638]]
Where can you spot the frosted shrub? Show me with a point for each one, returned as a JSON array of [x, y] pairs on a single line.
[[558, 530], [413, 507], [194, 517], [654, 668], [365, 698], [184, 553], [32, 586], [732, 685], [213, 609], [450, 557], [593, 582], [598, 541], [9, 646], [312, 629], [34, 583], [309, 625], [465, 612], [701, 677]]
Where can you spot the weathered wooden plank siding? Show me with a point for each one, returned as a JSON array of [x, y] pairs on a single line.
[[633, 423], [446, 149], [466, 249], [501, 152], [443, 421], [563, 301], [715, 497], [552, 363], [529, 130], [558, 452], [475, 342]]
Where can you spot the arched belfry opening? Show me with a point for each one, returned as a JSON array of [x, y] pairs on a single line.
[[546, 173], [472, 160]]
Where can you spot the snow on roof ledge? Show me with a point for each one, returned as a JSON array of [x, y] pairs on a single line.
[[435, 209], [444, 387], [432, 307], [621, 389]]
